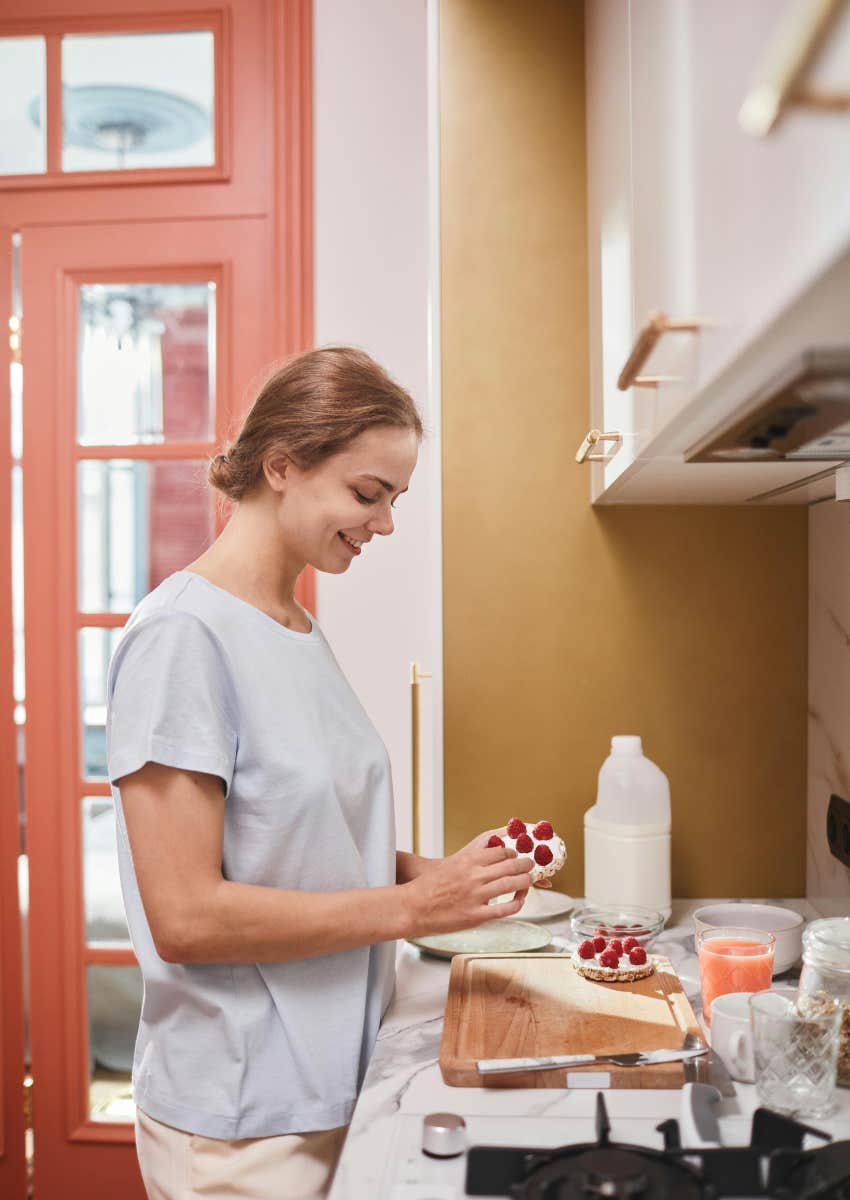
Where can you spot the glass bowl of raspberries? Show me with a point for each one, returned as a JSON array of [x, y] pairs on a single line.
[[593, 920]]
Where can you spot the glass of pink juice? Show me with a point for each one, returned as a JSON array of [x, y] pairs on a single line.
[[733, 960]]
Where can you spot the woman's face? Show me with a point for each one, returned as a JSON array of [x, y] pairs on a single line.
[[330, 512]]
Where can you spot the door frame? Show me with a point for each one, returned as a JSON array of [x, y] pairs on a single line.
[[12, 1060]]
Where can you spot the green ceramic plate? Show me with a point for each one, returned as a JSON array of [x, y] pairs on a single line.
[[495, 937]]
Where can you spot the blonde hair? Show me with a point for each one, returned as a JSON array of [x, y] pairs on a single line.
[[311, 408]]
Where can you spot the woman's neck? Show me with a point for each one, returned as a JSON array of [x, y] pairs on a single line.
[[248, 560]]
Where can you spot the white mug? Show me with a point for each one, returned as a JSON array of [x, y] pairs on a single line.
[[731, 1038]]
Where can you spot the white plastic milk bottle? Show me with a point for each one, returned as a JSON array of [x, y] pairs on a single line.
[[627, 831]]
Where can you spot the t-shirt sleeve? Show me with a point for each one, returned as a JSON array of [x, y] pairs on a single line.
[[172, 699]]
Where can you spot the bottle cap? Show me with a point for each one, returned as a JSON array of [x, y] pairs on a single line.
[[626, 744]]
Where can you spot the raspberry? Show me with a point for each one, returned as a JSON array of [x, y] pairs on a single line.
[[599, 944], [637, 956], [619, 928], [524, 843], [600, 933], [495, 840], [543, 831], [616, 945], [516, 827], [542, 856], [586, 950], [629, 944], [609, 959]]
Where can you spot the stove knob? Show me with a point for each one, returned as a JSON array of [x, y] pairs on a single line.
[[443, 1134]]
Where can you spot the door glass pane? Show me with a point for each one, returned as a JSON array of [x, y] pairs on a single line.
[[138, 522], [146, 363], [96, 649], [137, 100], [104, 907], [23, 143], [114, 1002]]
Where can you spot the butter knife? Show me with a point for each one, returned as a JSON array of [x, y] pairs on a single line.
[[711, 1070], [496, 1066]]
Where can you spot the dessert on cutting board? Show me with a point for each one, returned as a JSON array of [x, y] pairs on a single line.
[[612, 960], [538, 840]]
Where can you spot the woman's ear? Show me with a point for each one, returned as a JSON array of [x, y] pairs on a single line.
[[275, 468]]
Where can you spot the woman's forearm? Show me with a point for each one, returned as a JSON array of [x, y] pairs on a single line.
[[241, 922]]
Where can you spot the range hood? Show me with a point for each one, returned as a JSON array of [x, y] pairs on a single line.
[[801, 415]]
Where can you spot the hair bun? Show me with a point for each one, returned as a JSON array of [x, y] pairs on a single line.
[[220, 473]]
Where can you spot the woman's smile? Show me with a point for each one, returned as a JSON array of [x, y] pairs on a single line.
[[352, 544]]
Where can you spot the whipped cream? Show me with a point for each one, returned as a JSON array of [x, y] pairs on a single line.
[[555, 844], [623, 964]]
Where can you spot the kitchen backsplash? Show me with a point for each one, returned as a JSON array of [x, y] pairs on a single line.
[[827, 880]]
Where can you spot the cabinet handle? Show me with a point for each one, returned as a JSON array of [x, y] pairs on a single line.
[[777, 85], [583, 453], [416, 676], [656, 325]]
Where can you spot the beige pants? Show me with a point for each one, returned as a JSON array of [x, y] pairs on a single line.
[[291, 1166]]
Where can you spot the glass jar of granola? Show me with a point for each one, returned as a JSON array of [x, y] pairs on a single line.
[[826, 974]]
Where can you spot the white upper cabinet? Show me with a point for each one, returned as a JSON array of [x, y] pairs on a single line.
[[771, 212], [725, 234], [662, 208], [610, 288]]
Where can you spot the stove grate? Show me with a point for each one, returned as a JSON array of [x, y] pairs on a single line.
[[774, 1164]]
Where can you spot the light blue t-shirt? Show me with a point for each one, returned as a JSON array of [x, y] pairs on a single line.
[[206, 682]]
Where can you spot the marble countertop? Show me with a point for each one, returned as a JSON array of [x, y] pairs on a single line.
[[382, 1157]]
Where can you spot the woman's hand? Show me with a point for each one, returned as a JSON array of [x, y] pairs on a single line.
[[454, 893], [541, 883]]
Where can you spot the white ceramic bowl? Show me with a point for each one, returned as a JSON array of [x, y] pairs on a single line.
[[785, 924]]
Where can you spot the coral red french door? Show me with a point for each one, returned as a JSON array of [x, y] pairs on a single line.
[[134, 375]]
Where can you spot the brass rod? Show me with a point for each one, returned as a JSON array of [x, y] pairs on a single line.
[[583, 453], [647, 339], [653, 381], [789, 54], [416, 675], [835, 100]]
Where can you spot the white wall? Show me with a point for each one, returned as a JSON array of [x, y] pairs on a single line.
[[375, 254]]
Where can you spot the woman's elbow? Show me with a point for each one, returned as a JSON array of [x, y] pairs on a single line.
[[182, 922], [177, 941]]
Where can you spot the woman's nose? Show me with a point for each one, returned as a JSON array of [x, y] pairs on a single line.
[[382, 523]]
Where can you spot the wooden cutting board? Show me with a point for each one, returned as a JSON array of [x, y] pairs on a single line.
[[513, 1005]]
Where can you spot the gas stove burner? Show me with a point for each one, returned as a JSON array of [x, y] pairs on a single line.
[[615, 1177], [774, 1164], [609, 1171], [586, 1171]]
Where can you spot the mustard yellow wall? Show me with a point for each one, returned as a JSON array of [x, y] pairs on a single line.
[[566, 624]]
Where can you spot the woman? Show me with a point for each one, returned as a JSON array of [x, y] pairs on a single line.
[[255, 813]]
